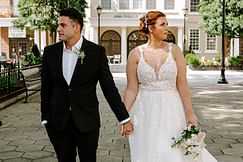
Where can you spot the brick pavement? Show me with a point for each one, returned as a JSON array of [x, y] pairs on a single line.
[[219, 108]]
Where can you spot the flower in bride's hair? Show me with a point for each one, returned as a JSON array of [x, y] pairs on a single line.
[[146, 22]]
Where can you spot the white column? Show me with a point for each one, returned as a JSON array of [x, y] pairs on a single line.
[[144, 5], [130, 5], [124, 45], [180, 5], [160, 4], [43, 40], [37, 38], [95, 34], [235, 42], [180, 37], [86, 31]]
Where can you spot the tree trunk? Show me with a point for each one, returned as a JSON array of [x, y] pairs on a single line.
[[55, 37], [227, 46], [241, 46], [52, 37], [241, 50]]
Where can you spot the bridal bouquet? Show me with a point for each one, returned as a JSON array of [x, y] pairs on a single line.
[[191, 142]]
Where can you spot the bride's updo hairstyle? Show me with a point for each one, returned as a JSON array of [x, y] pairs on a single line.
[[149, 19]]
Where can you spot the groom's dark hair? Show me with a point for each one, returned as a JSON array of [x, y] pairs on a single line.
[[73, 14]]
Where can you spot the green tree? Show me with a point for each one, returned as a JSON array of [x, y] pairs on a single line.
[[43, 14], [211, 12]]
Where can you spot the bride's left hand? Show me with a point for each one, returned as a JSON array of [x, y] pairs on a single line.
[[192, 119]]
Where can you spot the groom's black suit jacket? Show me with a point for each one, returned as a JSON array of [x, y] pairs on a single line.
[[57, 97]]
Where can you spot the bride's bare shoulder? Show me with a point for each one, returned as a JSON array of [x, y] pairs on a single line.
[[176, 51], [135, 53]]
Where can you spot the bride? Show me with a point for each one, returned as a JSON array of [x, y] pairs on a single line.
[[157, 96]]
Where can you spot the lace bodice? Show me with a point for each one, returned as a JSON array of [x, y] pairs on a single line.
[[163, 79]]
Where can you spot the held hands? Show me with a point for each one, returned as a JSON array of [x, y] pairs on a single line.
[[126, 129]]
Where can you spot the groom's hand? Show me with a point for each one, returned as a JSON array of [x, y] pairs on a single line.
[[127, 128]]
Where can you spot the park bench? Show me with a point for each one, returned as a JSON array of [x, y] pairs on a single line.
[[30, 78]]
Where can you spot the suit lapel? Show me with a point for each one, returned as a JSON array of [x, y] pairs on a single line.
[[60, 62]]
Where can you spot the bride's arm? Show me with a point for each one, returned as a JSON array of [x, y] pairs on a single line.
[[132, 80], [182, 86]]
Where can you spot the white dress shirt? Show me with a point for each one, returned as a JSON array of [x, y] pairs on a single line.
[[69, 60]]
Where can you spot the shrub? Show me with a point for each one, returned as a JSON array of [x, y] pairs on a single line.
[[193, 59], [31, 59], [234, 61]]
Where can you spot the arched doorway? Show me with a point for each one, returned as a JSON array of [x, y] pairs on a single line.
[[170, 37], [111, 40], [134, 39]]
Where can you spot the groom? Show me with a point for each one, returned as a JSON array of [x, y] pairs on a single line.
[[69, 105]]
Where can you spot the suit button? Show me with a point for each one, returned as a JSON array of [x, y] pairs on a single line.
[[69, 89]]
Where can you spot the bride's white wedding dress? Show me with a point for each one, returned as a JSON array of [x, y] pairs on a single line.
[[158, 115]]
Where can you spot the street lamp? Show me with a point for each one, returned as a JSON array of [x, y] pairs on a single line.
[[222, 79], [184, 29], [18, 59], [99, 10]]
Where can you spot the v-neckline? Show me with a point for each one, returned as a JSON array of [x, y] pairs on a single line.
[[156, 71]]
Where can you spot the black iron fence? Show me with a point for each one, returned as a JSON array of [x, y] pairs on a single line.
[[8, 79], [10, 82], [13, 81]]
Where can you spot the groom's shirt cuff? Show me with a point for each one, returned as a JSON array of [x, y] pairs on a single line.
[[124, 121], [44, 122]]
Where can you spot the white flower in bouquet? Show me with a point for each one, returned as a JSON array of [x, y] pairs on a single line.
[[191, 142]]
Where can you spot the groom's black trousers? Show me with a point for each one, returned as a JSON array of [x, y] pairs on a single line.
[[70, 140]]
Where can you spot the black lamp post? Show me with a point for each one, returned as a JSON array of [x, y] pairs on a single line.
[[222, 79], [184, 29], [18, 59], [99, 10]]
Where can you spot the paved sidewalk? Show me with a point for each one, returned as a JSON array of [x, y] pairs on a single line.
[[219, 108]]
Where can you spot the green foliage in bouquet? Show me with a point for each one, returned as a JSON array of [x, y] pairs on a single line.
[[186, 134]]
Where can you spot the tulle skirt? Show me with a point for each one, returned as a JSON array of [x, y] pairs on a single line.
[[158, 116]]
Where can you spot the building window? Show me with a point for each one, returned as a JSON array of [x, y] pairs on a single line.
[[170, 37], [211, 43], [169, 4], [151, 4], [111, 40], [135, 39], [15, 8], [124, 4], [131, 4], [194, 39], [15, 44], [137, 4], [106, 4], [194, 5]]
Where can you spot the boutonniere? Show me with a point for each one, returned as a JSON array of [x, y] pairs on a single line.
[[80, 53]]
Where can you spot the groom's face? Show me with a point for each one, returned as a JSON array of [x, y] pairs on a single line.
[[67, 28]]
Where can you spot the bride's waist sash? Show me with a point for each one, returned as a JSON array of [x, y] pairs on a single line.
[[155, 87]]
